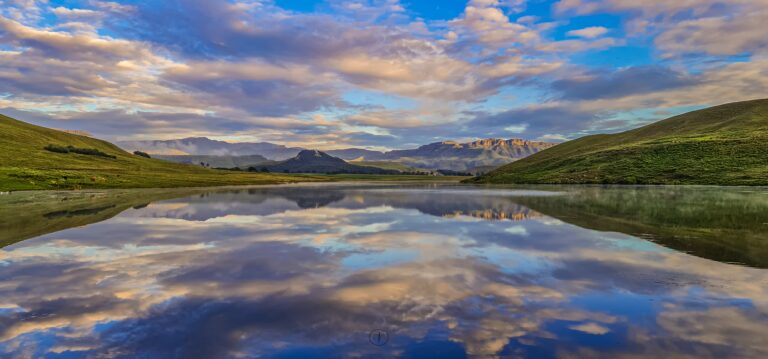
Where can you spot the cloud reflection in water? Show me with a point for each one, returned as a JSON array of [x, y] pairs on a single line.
[[305, 270]]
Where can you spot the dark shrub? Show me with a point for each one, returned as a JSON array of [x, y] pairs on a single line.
[[81, 151], [142, 154], [89, 152], [57, 149]]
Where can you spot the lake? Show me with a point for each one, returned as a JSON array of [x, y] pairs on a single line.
[[385, 270]]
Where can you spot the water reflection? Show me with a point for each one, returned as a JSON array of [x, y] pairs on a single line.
[[447, 271]]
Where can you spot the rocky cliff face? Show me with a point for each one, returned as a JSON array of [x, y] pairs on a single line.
[[513, 148], [467, 156]]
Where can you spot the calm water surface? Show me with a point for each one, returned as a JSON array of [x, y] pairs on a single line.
[[444, 271]]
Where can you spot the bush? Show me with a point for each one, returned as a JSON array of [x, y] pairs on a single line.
[[142, 154], [89, 152], [57, 149], [80, 151]]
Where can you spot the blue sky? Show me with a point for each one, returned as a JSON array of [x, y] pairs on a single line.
[[374, 73]]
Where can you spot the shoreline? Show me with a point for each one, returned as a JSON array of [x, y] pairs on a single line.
[[300, 179]]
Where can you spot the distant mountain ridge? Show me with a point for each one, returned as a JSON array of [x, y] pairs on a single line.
[[451, 155], [466, 156]]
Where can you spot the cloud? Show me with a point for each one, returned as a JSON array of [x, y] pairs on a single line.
[[538, 121], [591, 328], [718, 35], [67, 46], [372, 68], [206, 276], [77, 14], [709, 26], [621, 83], [588, 32]]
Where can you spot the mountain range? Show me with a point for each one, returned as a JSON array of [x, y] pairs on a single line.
[[449, 155], [721, 145]]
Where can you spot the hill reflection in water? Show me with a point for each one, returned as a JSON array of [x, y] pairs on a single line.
[[447, 271]]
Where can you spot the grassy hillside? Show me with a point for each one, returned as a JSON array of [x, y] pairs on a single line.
[[26, 165], [722, 145]]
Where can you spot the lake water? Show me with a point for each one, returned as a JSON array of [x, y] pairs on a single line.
[[385, 270]]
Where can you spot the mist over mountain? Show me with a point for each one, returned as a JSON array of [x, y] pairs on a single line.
[[357, 154], [449, 155], [218, 161], [204, 146]]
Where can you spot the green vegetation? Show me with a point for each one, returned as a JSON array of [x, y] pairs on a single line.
[[722, 145], [142, 154], [37, 158], [726, 225], [81, 151]]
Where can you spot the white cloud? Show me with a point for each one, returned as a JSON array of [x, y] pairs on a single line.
[[520, 128], [588, 32], [591, 328]]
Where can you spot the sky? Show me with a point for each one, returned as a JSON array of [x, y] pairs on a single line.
[[379, 74]]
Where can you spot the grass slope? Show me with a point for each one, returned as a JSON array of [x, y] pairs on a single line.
[[25, 165], [722, 145]]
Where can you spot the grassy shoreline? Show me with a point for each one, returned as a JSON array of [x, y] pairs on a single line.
[[23, 179]]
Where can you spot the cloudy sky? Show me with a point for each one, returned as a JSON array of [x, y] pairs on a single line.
[[374, 73]]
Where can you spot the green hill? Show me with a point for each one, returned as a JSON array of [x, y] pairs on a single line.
[[74, 162], [721, 145], [313, 161]]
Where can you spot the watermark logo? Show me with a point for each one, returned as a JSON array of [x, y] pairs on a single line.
[[378, 337]]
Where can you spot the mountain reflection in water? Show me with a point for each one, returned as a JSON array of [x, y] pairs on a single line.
[[447, 271]]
